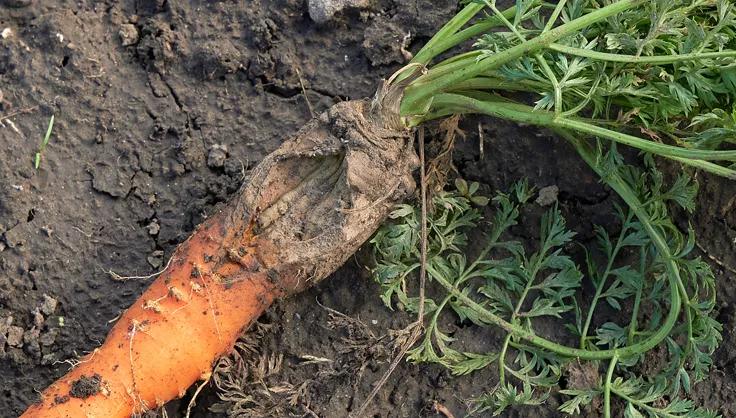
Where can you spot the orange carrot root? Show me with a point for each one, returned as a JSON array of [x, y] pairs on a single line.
[[166, 341], [308, 207]]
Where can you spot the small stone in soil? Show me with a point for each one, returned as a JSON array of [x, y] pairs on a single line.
[[547, 195]]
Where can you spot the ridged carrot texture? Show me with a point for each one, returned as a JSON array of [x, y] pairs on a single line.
[[307, 208]]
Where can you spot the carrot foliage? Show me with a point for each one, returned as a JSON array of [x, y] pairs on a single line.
[[655, 75], [526, 291]]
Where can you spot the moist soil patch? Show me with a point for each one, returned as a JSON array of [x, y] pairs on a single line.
[[85, 386], [161, 108]]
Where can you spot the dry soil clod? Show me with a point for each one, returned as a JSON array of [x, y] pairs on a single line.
[[322, 11], [128, 34]]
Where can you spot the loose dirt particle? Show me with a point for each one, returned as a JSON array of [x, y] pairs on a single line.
[[322, 11], [153, 228], [31, 336], [217, 156], [15, 336], [48, 338], [128, 34], [48, 306], [5, 324], [16, 3], [38, 318], [383, 43], [582, 375], [547, 195], [85, 387], [156, 259]]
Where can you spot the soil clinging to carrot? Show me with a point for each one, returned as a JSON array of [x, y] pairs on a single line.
[[85, 386]]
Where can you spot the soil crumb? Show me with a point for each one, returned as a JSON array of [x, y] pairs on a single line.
[[85, 387]]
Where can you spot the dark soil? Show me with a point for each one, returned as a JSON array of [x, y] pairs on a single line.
[[85, 387], [161, 107]]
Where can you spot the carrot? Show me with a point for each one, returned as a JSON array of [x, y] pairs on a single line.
[[308, 206]]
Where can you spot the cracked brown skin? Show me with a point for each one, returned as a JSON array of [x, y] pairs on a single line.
[[307, 208]]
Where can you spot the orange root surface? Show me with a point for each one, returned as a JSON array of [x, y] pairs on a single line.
[[191, 315]]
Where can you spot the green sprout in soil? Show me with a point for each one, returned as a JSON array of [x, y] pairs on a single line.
[[44, 142], [655, 75]]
